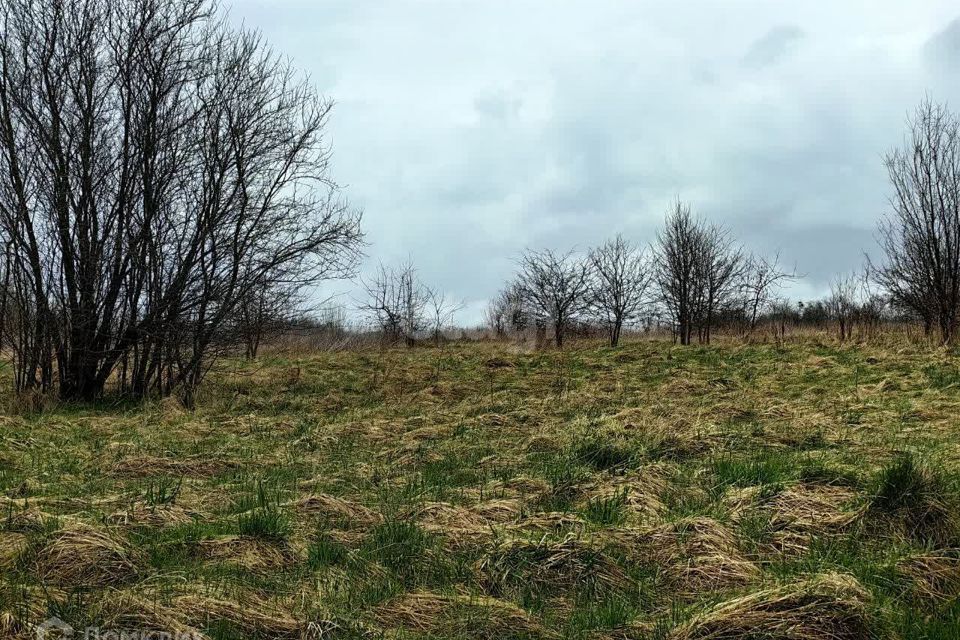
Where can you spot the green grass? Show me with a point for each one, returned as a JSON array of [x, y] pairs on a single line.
[[528, 493]]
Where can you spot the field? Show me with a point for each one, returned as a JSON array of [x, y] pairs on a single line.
[[482, 490]]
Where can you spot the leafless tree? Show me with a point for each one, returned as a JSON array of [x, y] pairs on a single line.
[[844, 291], [676, 259], [697, 269], [620, 275], [718, 275], [763, 279], [156, 167], [554, 287], [266, 312], [497, 315], [920, 237], [397, 303], [442, 309]]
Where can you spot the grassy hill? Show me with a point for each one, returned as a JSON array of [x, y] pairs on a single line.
[[481, 491]]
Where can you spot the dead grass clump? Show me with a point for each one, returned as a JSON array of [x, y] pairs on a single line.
[[458, 616], [153, 516], [518, 487], [552, 568], [698, 555], [22, 607], [549, 522], [336, 509], [82, 556], [804, 512], [935, 577], [252, 618], [129, 609], [249, 553], [828, 606], [642, 490], [459, 526], [668, 437], [146, 466], [498, 511], [12, 548], [498, 363], [23, 519]]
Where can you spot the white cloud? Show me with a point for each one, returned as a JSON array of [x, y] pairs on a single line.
[[469, 130]]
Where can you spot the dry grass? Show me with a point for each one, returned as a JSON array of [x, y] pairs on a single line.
[[831, 606], [486, 490], [552, 567], [83, 556], [935, 577], [460, 616], [698, 556], [252, 617]]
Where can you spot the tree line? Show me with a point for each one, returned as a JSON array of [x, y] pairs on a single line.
[[166, 197]]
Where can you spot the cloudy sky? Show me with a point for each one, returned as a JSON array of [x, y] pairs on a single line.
[[468, 130]]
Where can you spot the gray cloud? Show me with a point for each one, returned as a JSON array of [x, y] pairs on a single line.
[[470, 130], [943, 49], [773, 46]]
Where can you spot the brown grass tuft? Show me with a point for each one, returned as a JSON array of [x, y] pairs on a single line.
[[249, 553], [935, 576], [82, 556], [803, 513], [458, 616], [153, 516], [12, 547], [832, 606], [146, 466], [698, 555], [337, 510], [130, 609], [252, 617], [551, 568]]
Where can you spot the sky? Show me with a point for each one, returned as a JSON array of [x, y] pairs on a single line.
[[470, 130]]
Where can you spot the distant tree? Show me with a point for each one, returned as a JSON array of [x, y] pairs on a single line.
[[442, 309], [554, 287], [718, 274], [763, 279], [495, 316], [676, 259], [920, 237], [619, 279], [397, 303], [843, 303], [697, 269]]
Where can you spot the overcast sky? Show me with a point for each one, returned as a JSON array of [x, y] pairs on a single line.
[[467, 131]]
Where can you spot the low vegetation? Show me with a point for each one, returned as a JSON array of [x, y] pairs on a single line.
[[480, 490]]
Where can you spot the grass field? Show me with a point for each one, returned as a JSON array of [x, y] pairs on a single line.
[[482, 491]]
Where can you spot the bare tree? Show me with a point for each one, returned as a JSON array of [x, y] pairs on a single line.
[[442, 310], [843, 303], [698, 270], [762, 282], [156, 167], [676, 259], [920, 237], [718, 276], [497, 314], [397, 303], [620, 276], [265, 312], [554, 286]]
